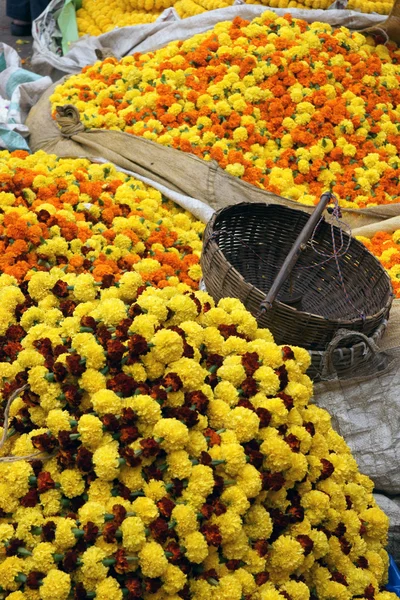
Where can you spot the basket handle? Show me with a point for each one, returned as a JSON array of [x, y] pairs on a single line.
[[328, 370], [297, 249]]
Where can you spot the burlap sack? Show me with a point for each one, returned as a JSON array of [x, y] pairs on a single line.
[[391, 506], [178, 171], [365, 410], [48, 56]]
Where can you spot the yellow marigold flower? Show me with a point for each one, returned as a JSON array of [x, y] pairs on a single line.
[[106, 401], [133, 534], [152, 560], [244, 423], [72, 483], [146, 509], [64, 538], [249, 480], [173, 579], [196, 547], [174, 434], [56, 586], [168, 346], [9, 569], [186, 519], [90, 429], [92, 566], [109, 588], [106, 461], [58, 420], [179, 464]]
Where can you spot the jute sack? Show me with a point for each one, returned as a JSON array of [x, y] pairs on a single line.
[[181, 172], [47, 45], [365, 409], [391, 507]]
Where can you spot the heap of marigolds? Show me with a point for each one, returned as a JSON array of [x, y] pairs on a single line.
[[99, 16], [386, 247], [171, 451], [296, 109]]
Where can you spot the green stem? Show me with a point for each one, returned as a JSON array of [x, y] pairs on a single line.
[[20, 578], [24, 552]]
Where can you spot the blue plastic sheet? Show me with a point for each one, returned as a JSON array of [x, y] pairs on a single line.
[[394, 577]]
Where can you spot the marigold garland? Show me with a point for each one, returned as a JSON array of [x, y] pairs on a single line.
[[386, 247], [180, 457], [100, 16], [89, 218], [294, 108]]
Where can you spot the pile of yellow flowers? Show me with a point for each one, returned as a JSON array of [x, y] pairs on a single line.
[[155, 446], [173, 454], [99, 16], [294, 108]]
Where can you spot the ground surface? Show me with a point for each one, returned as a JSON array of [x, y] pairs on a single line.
[[24, 49]]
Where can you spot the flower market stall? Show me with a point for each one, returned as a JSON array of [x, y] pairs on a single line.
[[157, 441]]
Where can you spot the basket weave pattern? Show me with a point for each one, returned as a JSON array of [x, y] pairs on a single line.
[[246, 244]]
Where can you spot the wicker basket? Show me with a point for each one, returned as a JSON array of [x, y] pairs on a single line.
[[246, 244]]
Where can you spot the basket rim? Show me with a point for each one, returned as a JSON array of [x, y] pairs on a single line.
[[208, 242]]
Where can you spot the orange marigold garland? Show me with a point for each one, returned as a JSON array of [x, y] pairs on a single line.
[[293, 108], [89, 218]]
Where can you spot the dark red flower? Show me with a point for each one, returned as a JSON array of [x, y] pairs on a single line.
[[177, 487], [119, 513], [212, 534], [233, 564], [84, 460], [327, 469], [152, 472], [150, 447], [228, 331], [60, 372], [73, 395], [261, 546], [45, 482], [60, 289], [128, 435], [34, 579], [345, 546], [166, 506], [283, 377], [205, 458], [339, 578], [287, 353], [70, 561], [158, 393], [122, 565], [159, 530], [362, 562], [287, 400], [264, 415], [109, 531], [173, 548], [45, 442], [75, 365], [137, 346], [122, 383], [214, 360], [188, 351], [249, 387], [110, 422], [49, 531], [107, 281], [67, 308], [122, 329], [250, 362], [295, 513], [131, 459], [12, 349], [363, 528], [59, 349], [44, 346], [135, 310], [134, 587], [306, 543], [15, 333], [37, 466], [80, 592], [272, 481], [152, 586], [13, 545], [310, 428], [88, 322], [103, 335], [261, 578], [214, 439], [197, 399], [91, 532], [115, 352], [173, 381], [293, 442]]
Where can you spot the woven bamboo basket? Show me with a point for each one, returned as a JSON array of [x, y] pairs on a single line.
[[245, 246]]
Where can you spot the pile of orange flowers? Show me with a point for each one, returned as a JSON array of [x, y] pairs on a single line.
[[89, 218], [292, 107], [386, 247]]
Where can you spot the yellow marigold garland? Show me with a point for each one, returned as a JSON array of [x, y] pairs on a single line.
[[294, 108]]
